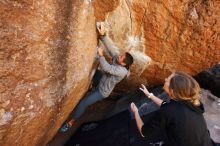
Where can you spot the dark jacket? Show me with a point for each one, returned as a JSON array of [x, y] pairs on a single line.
[[183, 123]]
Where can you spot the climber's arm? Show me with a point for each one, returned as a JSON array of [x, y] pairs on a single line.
[[111, 48], [111, 69]]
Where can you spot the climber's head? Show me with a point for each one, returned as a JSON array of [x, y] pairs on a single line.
[[125, 60]]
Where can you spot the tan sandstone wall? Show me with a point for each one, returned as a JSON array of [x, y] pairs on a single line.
[[164, 36], [47, 49], [47, 52]]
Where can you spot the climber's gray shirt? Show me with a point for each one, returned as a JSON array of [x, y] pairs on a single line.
[[113, 73]]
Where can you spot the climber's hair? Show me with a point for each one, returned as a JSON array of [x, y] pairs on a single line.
[[128, 60], [185, 87]]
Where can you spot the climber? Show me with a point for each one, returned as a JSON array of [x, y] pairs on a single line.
[[112, 74], [181, 118]]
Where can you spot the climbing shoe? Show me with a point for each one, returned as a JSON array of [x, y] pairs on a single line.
[[65, 127]]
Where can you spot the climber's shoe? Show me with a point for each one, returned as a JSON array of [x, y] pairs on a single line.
[[65, 127]]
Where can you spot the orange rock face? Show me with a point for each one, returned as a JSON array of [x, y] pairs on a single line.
[[47, 52], [165, 36]]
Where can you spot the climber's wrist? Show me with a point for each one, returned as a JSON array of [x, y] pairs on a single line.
[[103, 34]]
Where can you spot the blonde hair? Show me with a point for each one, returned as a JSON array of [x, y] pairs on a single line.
[[184, 87]]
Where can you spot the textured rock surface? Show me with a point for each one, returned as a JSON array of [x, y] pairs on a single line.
[[165, 36], [210, 79], [47, 50]]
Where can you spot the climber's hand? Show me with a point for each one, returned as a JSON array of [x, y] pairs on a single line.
[[101, 29], [100, 51]]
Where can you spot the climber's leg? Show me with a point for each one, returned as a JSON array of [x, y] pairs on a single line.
[[81, 107], [85, 102], [96, 78]]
